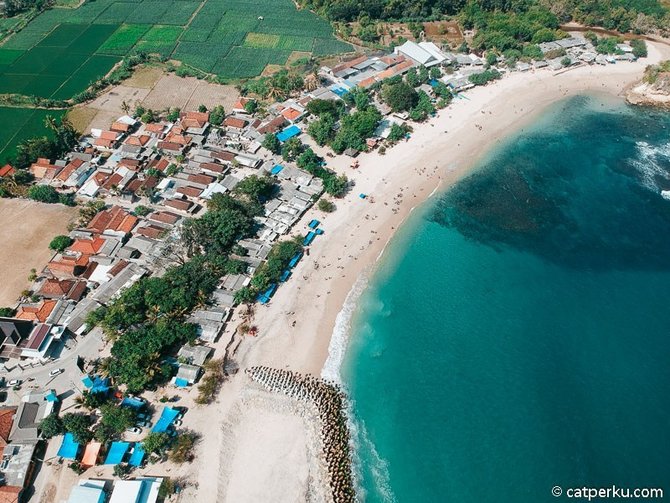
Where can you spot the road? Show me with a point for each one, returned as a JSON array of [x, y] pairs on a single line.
[[87, 347]]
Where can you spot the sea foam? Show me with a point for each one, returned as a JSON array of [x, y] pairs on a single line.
[[649, 163]]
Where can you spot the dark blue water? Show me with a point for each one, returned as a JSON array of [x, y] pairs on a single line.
[[517, 333]]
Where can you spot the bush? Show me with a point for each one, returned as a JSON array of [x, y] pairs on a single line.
[[639, 48], [59, 243], [326, 205]]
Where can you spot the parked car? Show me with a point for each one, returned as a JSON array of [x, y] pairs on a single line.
[[134, 429], [177, 422], [56, 372], [15, 382], [144, 424]]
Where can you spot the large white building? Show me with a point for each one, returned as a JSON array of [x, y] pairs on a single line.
[[423, 53]]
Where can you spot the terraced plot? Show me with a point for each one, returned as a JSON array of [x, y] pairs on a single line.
[[22, 123]]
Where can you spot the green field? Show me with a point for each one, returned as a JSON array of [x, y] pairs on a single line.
[[63, 50], [24, 123]]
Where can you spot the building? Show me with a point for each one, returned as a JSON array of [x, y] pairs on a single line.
[[423, 53], [88, 491], [34, 407], [140, 490], [17, 469]]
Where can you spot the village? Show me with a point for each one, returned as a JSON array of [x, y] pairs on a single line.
[[143, 181]]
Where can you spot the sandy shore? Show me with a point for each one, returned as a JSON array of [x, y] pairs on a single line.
[[295, 329]]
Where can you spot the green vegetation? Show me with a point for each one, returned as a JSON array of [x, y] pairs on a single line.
[[480, 79], [156, 443], [277, 261], [51, 426], [211, 382], [47, 194], [21, 124], [59, 243], [79, 425], [326, 205], [653, 72]]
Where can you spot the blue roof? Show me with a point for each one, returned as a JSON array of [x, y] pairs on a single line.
[[277, 169], [285, 275], [116, 452], [180, 382], [51, 396], [88, 382], [96, 384], [137, 456], [132, 402], [264, 297], [69, 448], [167, 416], [287, 133], [309, 238], [295, 259], [313, 224]]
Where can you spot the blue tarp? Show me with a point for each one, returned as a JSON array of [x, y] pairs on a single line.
[[313, 224], [96, 384], [309, 238], [319, 232], [167, 416], [180, 382], [69, 448], [287, 133], [340, 91], [51, 396], [264, 297], [277, 169], [132, 402], [362, 196], [137, 456], [296, 258], [285, 275], [116, 452]]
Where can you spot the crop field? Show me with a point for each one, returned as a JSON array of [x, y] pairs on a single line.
[[63, 50], [23, 123]]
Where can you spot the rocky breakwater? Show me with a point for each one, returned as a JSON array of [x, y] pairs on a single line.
[[329, 401]]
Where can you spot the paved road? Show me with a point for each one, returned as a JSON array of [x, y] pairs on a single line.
[[87, 346]]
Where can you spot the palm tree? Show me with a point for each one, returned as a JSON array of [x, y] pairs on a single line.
[[311, 81], [125, 107]]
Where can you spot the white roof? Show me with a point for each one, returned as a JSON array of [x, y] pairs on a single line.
[[415, 52], [433, 50], [126, 491]]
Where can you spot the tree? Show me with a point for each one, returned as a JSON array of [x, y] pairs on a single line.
[[173, 114], [7, 312], [51, 426], [423, 108], [245, 295], [202, 108], [117, 418], [217, 115], [43, 193], [400, 97], [321, 107], [141, 210], [322, 130], [336, 186], [639, 48], [291, 149], [272, 143], [23, 177], [397, 133], [251, 106], [156, 442], [256, 187], [59, 243], [79, 425], [566, 61]]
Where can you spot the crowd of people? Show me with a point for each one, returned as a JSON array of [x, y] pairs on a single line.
[[329, 401]]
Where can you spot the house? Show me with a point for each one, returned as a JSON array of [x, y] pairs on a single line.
[[235, 123], [239, 106], [88, 491], [7, 170], [195, 355], [37, 312], [114, 221], [67, 266], [423, 53], [139, 490], [12, 332], [186, 375], [7, 415], [42, 169], [17, 470], [33, 408], [54, 288]]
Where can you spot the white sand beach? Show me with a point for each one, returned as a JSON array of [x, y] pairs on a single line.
[[269, 453]]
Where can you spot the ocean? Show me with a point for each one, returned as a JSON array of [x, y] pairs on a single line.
[[516, 333]]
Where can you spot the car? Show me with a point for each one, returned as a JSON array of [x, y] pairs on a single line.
[[134, 429], [15, 382], [177, 422], [142, 416], [144, 424], [56, 372]]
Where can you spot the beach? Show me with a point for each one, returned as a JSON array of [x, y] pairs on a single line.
[[304, 327]]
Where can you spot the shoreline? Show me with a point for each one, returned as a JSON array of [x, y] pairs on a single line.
[[297, 329]]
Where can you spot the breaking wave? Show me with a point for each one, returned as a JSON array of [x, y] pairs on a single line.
[[653, 165]]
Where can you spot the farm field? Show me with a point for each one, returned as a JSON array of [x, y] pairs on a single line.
[[20, 124], [63, 50]]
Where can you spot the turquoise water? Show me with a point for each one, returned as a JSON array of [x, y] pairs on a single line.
[[516, 335]]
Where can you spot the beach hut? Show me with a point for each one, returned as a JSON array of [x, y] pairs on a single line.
[[69, 448], [137, 456], [116, 453], [91, 453], [168, 415], [294, 260], [313, 224], [309, 238]]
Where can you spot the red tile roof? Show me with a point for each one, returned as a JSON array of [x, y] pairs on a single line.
[[166, 145], [7, 170], [36, 312], [189, 191], [138, 140], [54, 288], [272, 126], [348, 64], [165, 217], [155, 128], [109, 135], [10, 494], [151, 231], [6, 421], [114, 219], [121, 127], [224, 156], [201, 178], [234, 122], [179, 204], [87, 246], [213, 167], [291, 113]]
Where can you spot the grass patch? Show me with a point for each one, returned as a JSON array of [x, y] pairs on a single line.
[[123, 39], [81, 117], [8, 56]]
